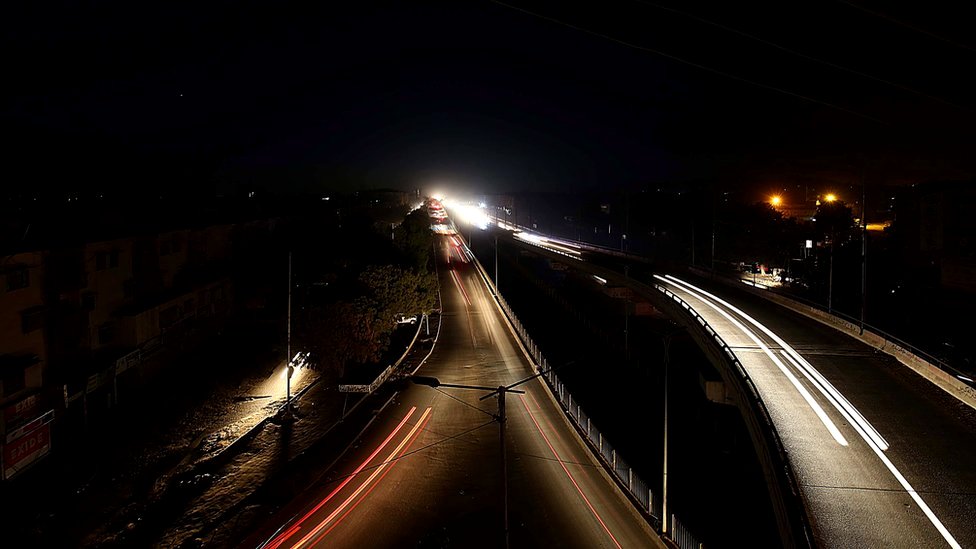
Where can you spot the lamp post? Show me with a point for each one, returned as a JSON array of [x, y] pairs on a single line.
[[501, 391], [864, 252], [664, 482], [289, 366], [496, 264], [830, 198]]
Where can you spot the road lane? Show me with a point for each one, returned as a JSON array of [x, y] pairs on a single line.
[[857, 495], [436, 480]]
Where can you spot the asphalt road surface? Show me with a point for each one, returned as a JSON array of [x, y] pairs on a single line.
[[883, 457], [427, 472]]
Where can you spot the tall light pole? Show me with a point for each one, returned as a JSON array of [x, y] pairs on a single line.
[[831, 198], [864, 252], [288, 359], [496, 264], [501, 390], [666, 338]]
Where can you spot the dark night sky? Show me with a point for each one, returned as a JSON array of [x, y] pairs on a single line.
[[99, 95]]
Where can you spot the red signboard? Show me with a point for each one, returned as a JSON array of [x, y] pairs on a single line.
[[16, 412], [23, 451]]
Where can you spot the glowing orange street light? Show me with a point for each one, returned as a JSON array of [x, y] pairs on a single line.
[[776, 200], [830, 197]]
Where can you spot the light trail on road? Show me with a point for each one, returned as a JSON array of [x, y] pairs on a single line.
[[566, 470], [814, 405], [464, 293], [815, 377], [283, 537], [871, 437]]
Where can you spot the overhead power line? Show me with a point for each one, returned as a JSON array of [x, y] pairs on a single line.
[[909, 26], [791, 51], [694, 64]]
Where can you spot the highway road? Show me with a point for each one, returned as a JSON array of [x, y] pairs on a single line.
[[428, 471], [883, 457]]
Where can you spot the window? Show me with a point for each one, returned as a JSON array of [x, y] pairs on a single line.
[[129, 288], [101, 261], [113, 258], [17, 278], [13, 382], [169, 316], [106, 333], [88, 301], [32, 319]]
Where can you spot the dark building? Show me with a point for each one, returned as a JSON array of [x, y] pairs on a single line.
[[83, 322], [937, 232]]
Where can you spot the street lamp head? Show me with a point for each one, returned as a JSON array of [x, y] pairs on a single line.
[[776, 200], [426, 380], [830, 197]]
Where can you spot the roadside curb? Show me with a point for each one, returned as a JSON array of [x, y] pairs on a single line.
[[940, 378]]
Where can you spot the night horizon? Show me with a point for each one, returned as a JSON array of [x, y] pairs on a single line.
[[488, 96], [498, 273]]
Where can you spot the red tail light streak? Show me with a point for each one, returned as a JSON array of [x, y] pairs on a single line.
[[315, 529], [566, 470]]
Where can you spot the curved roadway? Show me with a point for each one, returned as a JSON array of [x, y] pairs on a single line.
[[427, 471], [883, 457]]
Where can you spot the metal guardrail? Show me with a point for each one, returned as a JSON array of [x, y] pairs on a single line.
[[759, 406], [794, 512], [855, 323], [385, 374], [682, 536], [630, 481], [638, 490]]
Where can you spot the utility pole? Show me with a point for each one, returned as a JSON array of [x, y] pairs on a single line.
[[501, 440], [664, 481], [496, 264], [288, 345], [666, 338], [864, 251], [713, 232], [830, 275], [501, 418]]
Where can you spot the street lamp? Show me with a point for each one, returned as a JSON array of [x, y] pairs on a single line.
[[501, 390], [776, 200], [290, 367], [666, 337]]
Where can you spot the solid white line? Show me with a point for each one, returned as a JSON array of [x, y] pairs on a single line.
[[814, 405], [857, 427], [844, 407], [812, 374]]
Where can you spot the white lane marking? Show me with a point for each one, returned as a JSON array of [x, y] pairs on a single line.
[[837, 399], [814, 405], [861, 431], [812, 374]]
